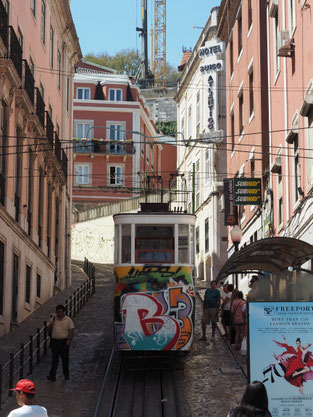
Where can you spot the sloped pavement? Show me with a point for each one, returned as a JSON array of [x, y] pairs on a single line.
[[89, 353]]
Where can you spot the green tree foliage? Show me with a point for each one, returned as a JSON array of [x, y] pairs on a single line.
[[166, 128], [127, 61]]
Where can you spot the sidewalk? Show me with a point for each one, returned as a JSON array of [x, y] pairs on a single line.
[[89, 354], [240, 359]]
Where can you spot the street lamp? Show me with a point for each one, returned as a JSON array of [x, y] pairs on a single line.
[[236, 235]]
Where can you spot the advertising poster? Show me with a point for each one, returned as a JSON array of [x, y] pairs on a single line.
[[281, 355]]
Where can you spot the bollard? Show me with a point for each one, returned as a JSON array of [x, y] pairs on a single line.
[[38, 346], [31, 352], [22, 361], [11, 373]]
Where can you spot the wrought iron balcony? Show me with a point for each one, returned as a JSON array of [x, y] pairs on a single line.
[[28, 82], [2, 189], [57, 147], [49, 129], [15, 52], [40, 107], [64, 162], [4, 21], [108, 147]]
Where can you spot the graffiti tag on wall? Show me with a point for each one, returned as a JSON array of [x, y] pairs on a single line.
[[156, 308]]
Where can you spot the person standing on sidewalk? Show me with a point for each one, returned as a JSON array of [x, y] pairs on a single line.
[[25, 392], [62, 333], [211, 306], [225, 308]]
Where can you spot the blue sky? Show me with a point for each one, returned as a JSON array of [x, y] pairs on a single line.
[[110, 26]]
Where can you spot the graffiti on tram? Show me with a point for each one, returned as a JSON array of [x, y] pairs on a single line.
[[154, 308]]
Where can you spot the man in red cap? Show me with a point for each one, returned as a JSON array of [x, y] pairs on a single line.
[[25, 392]]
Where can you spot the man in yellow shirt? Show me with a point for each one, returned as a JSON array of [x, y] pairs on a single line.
[[62, 333]]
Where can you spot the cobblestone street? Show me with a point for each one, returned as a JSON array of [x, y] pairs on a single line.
[[212, 381]]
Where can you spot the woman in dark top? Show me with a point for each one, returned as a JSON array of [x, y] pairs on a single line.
[[255, 396]]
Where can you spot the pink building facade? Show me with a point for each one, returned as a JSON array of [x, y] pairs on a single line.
[[40, 46], [116, 154]]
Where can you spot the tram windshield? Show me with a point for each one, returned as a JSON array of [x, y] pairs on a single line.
[[154, 243]]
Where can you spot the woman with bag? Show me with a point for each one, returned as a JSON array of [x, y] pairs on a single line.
[[237, 318]]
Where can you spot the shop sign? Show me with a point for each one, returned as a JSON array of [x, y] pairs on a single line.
[[247, 191], [230, 210], [280, 355]]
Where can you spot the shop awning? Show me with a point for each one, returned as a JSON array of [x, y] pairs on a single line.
[[273, 254]]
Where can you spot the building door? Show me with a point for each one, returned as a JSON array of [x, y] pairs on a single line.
[[15, 288]]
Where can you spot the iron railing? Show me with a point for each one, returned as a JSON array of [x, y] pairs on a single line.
[[40, 107], [110, 147], [57, 147], [4, 21], [15, 52], [31, 352], [64, 162], [49, 129], [28, 82]]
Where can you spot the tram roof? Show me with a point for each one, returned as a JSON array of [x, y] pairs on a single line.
[[274, 254]]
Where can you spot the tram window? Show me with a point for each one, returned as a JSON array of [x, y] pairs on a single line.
[[154, 244], [183, 243], [126, 243]]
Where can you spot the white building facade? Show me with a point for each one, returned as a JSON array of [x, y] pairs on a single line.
[[201, 154]]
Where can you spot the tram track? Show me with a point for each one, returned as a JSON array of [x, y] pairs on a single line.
[[141, 384]]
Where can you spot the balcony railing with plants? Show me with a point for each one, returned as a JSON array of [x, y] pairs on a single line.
[[101, 146], [4, 20]]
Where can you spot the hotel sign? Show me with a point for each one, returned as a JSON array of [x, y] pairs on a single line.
[[247, 191]]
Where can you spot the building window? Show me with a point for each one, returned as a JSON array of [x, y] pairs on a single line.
[[239, 22], [83, 93], [59, 69], [183, 243], [249, 13], [31, 159], [280, 208], [198, 114], [82, 174], [142, 142], [252, 167], [38, 286], [189, 190], [251, 91], [1, 276], [206, 234], [33, 7], [292, 15], [241, 113], [117, 133], [18, 174], [152, 157], [115, 94], [197, 187], [28, 283], [20, 37], [43, 21], [42, 90], [40, 206], [197, 240], [189, 121], [232, 131], [51, 47], [296, 168], [182, 127], [207, 164], [310, 148], [115, 174], [231, 56], [32, 66], [83, 130], [50, 111], [276, 37], [15, 284]]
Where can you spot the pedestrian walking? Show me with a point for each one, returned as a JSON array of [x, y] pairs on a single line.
[[225, 308], [255, 396], [25, 392], [211, 306], [61, 328], [237, 318]]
